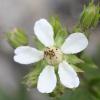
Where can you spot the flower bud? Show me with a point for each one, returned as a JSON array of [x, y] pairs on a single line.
[[90, 16], [17, 38]]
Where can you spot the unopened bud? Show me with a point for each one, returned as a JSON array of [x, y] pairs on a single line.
[[90, 16], [17, 38]]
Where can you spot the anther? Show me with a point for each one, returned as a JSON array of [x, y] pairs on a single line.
[[53, 55]]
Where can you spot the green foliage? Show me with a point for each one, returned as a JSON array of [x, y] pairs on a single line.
[[73, 59], [77, 94], [96, 56], [38, 44], [89, 88], [31, 78], [60, 32], [21, 94], [4, 96], [90, 16], [89, 61], [77, 69], [17, 38], [59, 91]]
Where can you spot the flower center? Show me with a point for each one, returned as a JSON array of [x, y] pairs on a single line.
[[53, 55]]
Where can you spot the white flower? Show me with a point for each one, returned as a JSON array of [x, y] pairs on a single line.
[[47, 80]]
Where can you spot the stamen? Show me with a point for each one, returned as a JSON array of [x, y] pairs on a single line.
[[53, 55]]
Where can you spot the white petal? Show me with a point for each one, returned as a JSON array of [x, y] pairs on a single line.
[[75, 43], [44, 32], [27, 55], [68, 76], [47, 80]]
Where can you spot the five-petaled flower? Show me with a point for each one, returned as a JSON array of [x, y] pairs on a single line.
[[47, 80]]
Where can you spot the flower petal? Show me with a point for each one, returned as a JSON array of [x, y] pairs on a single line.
[[27, 55], [47, 80], [68, 76], [44, 32], [75, 43]]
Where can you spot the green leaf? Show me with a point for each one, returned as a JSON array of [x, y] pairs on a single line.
[[91, 71], [60, 32], [88, 60], [72, 59], [77, 94], [95, 87]]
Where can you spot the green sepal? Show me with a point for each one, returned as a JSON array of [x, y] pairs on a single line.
[[77, 69], [59, 90], [31, 78], [90, 72], [17, 38], [88, 61], [60, 33], [79, 29], [38, 44], [72, 59]]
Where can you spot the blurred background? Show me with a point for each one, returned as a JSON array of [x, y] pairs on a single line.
[[23, 14]]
